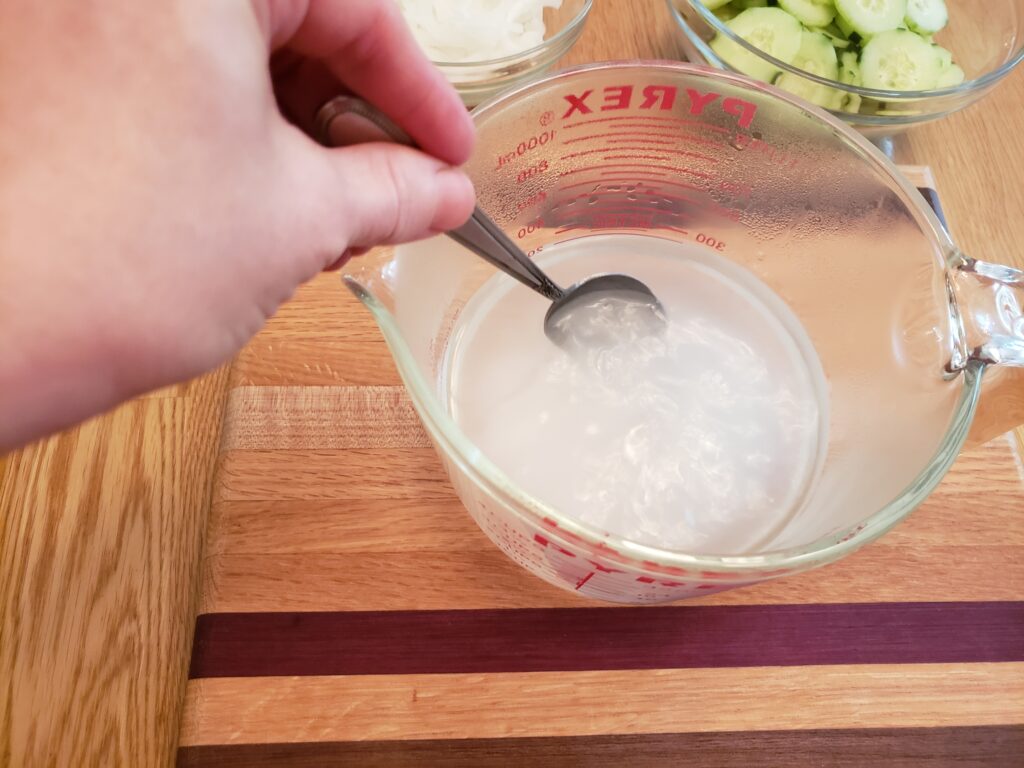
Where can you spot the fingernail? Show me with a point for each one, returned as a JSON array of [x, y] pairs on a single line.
[[455, 199]]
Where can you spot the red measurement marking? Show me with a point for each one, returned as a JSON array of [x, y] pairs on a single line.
[[640, 141], [676, 120], [712, 206], [683, 185], [674, 140], [655, 183], [596, 167], [623, 174], [591, 227], [570, 228], [675, 129], [698, 203], [675, 229], [594, 136], [695, 155], [585, 579], [642, 183], [616, 208], [698, 174], [596, 194], [629, 135], [579, 184]]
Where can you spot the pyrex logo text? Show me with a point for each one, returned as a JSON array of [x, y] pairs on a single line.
[[662, 97]]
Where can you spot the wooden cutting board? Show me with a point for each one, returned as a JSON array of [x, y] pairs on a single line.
[[353, 614]]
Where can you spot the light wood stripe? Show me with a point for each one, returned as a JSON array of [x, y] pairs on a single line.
[[362, 526], [314, 362], [324, 336], [267, 710], [485, 578], [283, 418], [382, 530], [335, 526], [382, 473], [312, 473]]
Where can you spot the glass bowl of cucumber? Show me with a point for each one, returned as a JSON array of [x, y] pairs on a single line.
[[880, 65]]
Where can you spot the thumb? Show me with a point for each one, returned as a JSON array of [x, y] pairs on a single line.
[[377, 194]]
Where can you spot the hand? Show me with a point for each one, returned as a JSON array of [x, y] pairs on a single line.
[[156, 207]]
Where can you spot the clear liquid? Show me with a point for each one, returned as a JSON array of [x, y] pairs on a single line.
[[706, 438]]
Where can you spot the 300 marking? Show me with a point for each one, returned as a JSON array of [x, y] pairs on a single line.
[[710, 242]]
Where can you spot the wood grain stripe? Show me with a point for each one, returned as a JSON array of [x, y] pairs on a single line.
[[426, 553], [356, 473], [989, 746], [372, 707], [315, 361], [311, 472], [101, 531], [296, 526], [485, 578], [539, 640], [283, 418]]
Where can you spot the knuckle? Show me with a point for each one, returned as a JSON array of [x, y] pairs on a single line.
[[396, 191]]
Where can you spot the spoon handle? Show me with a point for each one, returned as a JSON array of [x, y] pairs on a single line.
[[346, 120]]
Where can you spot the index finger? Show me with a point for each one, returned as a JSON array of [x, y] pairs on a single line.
[[367, 45]]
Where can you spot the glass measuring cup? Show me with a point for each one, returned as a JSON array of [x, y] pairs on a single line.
[[903, 324]]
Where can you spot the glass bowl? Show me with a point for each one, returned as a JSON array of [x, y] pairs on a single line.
[[986, 38], [477, 81]]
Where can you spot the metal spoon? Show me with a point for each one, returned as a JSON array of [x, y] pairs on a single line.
[[345, 120]]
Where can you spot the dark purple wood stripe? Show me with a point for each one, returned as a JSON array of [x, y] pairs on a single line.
[[990, 746], [570, 639]]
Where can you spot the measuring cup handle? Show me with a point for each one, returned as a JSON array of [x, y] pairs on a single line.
[[346, 120], [990, 307]]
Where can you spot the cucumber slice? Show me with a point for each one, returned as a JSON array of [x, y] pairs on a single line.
[[871, 17], [953, 75], [850, 102], [836, 36], [772, 30], [726, 12], [811, 13], [945, 57], [713, 4], [899, 61], [926, 17], [844, 26], [849, 69], [817, 56], [744, 4]]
